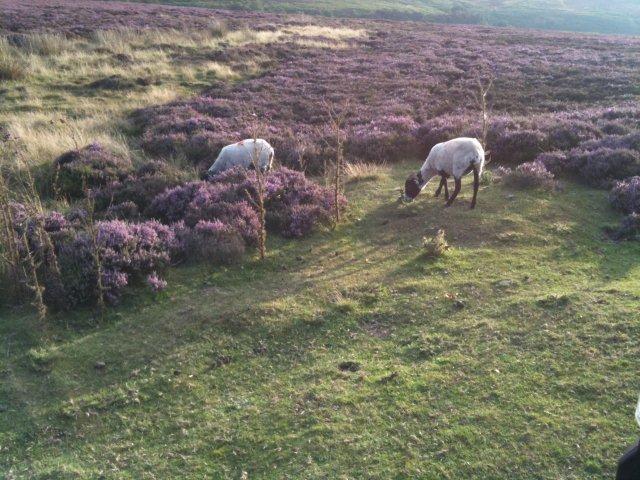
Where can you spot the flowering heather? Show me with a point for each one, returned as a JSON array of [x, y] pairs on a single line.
[[625, 195], [156, 283], [81, 18], [131, 194], [556, 162], [404, 91], [216, 242], [91, 167], [294, 204], [530, 175], [600, 167]]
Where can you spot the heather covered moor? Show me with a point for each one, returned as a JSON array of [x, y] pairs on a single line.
[[347, 351]]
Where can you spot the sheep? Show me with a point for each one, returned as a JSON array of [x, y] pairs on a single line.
[[454, 158], [243, 154]]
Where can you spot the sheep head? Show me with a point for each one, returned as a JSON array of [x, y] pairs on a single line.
[[411, 187]]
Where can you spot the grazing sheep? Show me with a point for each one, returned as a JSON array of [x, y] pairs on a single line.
[[243, 154], [454, 158]]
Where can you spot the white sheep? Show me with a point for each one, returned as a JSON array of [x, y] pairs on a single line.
[[243, 154], [454, 158]]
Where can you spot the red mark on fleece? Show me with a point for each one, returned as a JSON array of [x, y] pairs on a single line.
[[240, 143]]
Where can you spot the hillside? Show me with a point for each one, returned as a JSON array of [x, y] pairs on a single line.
[[237, 370], [351, 350], [617, 16]]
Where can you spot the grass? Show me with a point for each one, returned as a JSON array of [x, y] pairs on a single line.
[[573, 15], [350, 355], [62, 92]]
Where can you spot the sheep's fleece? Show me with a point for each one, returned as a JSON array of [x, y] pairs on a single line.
[[242, 154]]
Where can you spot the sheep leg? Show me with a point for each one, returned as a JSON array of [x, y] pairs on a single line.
[[443, 183], [455, 193], [446, 188], [476, 185]]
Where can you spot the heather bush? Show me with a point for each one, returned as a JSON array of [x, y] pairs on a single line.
[[530, 175], [391, 136], [91, 167], [78, 273], [123, 211], [520, 146], [609, 127], [625, 195], [556, 162], [629, 228], [565, 134], [630, 141], [138, 189], [216, 242], [156, 283], [129, 250], [294, 204], [600, 167]]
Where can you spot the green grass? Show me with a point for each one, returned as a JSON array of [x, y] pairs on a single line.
[[617, 16], [236, 370]]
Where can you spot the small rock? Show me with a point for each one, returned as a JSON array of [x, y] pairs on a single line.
[[100, 366], [3, 408], [511, 196]]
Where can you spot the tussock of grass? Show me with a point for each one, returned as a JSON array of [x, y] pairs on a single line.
[[363, 171], [436, 246]]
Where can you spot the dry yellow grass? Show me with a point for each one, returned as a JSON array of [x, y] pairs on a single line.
[[51, 106], [362, 171]]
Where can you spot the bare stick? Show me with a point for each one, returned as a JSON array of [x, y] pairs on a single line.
[[95, 249], [336, 123], [481, 100], [259, 202]]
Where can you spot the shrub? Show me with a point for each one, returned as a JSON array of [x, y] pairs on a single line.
[[567, 134], [380, 139], [77, 271], [555, 162], [294, 204], [156, 283], [216, 242], [516, 147], [625, 195], [138, 188], [91, 167], [123, 211], [530, 175], [600, 167], [629, 228], [435, 246]]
